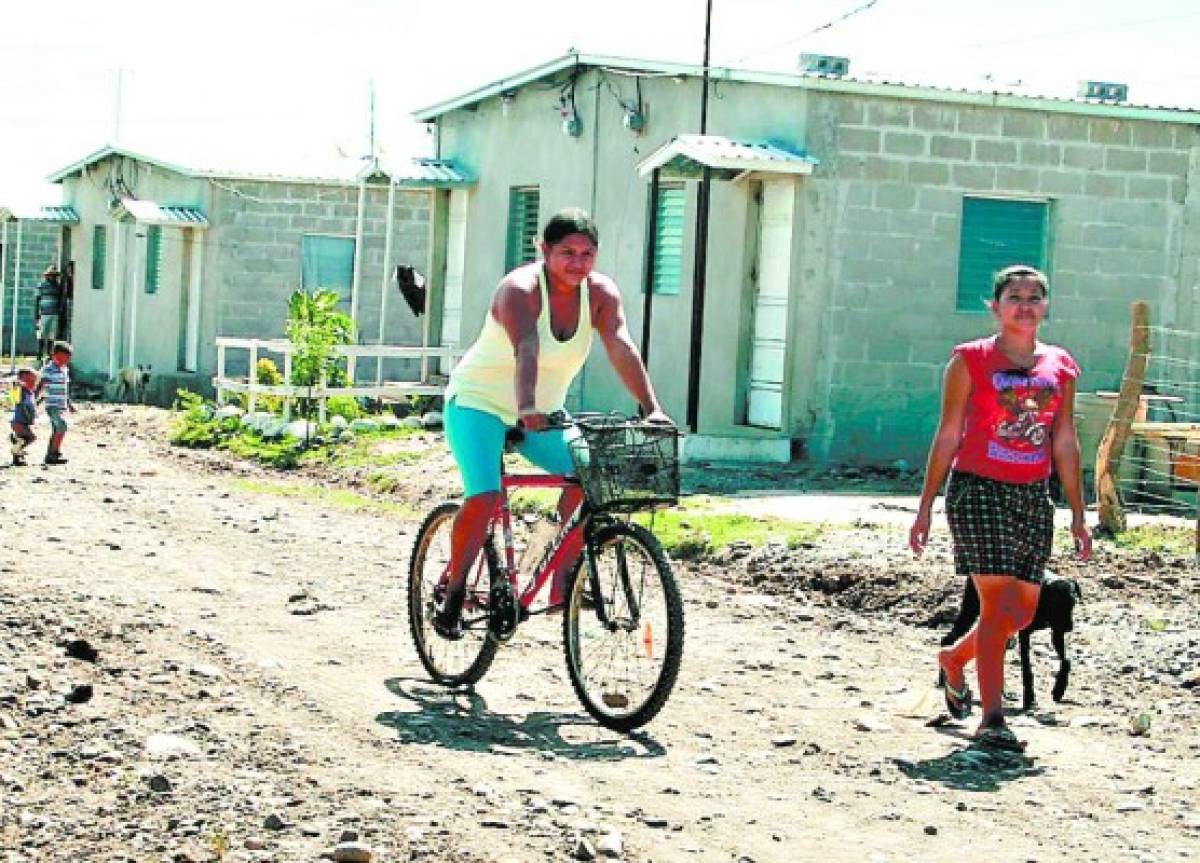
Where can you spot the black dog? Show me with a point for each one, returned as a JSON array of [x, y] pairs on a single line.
[[1055, 611]]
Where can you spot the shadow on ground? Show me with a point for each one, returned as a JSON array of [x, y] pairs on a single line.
[[460, 719], [972, 768]]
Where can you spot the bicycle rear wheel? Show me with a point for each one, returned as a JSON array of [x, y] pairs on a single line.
[[623, 630], [454, 663]]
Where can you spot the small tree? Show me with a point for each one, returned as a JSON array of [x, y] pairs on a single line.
[[316, 328]]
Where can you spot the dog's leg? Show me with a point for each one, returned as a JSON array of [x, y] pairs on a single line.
[[1064, 665], [968, 611], [1028, 699]]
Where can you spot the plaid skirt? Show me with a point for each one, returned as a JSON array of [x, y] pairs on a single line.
[[1000, 528]]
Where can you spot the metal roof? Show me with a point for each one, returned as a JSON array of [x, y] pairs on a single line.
[[60, 215], [818, 82], [165, 215], [104, 153], [324, 169], [687, 155]]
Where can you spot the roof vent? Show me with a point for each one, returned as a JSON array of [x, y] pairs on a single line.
[[1104, 91], [824, 64]]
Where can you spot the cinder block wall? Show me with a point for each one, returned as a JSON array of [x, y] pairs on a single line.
[[896, 172], [257, 233], [39, 248]]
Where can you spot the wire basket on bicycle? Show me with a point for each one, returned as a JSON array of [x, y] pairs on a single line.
[[625, 465]]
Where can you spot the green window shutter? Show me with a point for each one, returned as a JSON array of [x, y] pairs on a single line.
[[668, 239], [153, 257], [521, 245], [997, 233], [99, 255], [327, 262]]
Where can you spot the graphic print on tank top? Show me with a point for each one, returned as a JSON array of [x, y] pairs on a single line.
[[1025, 406]]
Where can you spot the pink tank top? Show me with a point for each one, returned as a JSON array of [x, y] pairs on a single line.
[[1010, 412]]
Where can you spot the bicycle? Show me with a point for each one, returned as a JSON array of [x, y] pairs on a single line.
[[622, 612]]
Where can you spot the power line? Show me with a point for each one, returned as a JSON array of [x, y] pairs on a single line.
[[862, 7]]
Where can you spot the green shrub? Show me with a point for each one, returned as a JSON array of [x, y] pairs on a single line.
[[343, 406]]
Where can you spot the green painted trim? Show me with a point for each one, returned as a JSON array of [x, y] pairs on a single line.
[[99, 255], [153, 257]]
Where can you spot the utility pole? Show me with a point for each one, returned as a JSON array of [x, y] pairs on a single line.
[[701, 246], [119, 75]]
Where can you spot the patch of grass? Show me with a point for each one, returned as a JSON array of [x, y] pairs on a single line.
[[1163, 538], [693, 533], [283, 453], [535, 501], [334, 498]]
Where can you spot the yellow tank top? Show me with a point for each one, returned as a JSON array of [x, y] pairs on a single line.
[[486, 377]]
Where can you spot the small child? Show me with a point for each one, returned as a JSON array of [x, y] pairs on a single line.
[[56, 384], [23, 415]]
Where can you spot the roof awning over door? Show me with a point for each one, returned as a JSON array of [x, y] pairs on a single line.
[[164, 215], [686, 157], [59, 215]]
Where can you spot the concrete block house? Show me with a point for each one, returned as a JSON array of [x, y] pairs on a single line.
[[30, 240], [168, 257], [854, 227]]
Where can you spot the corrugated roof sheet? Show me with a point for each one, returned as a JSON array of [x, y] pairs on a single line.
[[302, 167], [686, 154], [58, 214], [166, 215], [1002, 97]]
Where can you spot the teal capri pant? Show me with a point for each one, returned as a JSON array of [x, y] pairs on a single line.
[[476, 441]]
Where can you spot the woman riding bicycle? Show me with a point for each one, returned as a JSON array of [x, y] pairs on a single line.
[[534, 341]]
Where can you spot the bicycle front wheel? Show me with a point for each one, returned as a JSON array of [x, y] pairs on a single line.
[[623, 628], [454, 663]]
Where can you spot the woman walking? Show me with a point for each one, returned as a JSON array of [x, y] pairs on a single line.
[[1007, 419]]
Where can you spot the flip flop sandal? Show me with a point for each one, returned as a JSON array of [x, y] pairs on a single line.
[[1001, 739], [958, 701]]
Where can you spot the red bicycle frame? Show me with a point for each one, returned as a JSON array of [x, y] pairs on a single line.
[[565, 548]]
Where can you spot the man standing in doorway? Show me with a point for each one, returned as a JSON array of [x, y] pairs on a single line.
[[48, 312]]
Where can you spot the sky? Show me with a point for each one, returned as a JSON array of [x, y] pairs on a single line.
[[226, 82]]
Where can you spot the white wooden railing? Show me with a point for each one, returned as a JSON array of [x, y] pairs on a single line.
[[429, 382]]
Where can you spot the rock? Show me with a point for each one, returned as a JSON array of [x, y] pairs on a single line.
[[389, 421], [1139, 724], [275, 429], [1191, 682], [339, 422], [411, 423], [80, 693], [165, 746], [258, 420], [432, 420], [611, 844], [783, 741], [207, 672], [930, 830], [160, 784], [80, 649], [274, 822], [351, 852], [300, 430], [583, 849], [226, 412], [871, 723], [364, 425]]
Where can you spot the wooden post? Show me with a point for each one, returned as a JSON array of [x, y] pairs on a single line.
[[1112, 445], [252, 381], [287, 379]]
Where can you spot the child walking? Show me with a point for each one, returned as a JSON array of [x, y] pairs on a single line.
[[56, 384], [1007, 417], [23, 415]]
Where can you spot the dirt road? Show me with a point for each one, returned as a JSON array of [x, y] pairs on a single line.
[[256, 698]]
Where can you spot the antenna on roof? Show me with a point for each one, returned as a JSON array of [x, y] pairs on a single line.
[[374, 152], [118, 76]]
